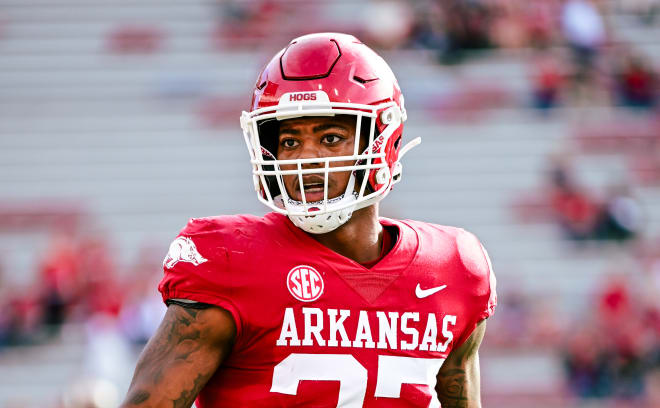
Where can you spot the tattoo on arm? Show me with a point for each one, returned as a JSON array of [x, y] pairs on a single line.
[[187, 397], [139, 397], [458, 380], [452, 391], [179, 359]]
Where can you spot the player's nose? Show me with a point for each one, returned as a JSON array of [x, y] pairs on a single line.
[[311, 150]]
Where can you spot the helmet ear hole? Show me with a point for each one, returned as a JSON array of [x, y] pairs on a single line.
[[397, 142], [269, 137], [269, 130], [365, 130]]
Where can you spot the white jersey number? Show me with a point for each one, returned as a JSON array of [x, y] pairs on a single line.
[[393, 372]]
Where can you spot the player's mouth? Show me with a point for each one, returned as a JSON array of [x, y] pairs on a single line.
[[313, 186]]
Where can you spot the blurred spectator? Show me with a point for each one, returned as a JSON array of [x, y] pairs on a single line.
[[143, 308], [542, 22], [614, 303], [614, 356], [26, 317], [626, 336], [100, 291], [574, 209], [582, 216], [60, 279], [584, 30], [22, 320], [388, 23], [76, 280], [454, 27], [466, 27], [547, 80], [621, 215], [508, 27], [246, 23], [586, 363], [636, 82], [427, 30]]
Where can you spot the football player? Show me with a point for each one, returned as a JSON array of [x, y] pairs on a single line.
[[320, 303]]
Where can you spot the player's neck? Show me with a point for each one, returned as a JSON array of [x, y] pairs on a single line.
[[360, 239]]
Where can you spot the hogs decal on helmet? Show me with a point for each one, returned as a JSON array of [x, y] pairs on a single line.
[[327, 74]]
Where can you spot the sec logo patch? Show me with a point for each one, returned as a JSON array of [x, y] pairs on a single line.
[[305, 283]]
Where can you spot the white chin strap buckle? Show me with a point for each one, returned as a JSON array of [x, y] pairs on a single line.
[[322, 223], [325, 221]]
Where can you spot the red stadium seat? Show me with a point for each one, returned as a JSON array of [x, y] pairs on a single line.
[[470, 102], [131, 39], [532, 207], [645, 167], [46, 214], [618, 137], [218, 111]]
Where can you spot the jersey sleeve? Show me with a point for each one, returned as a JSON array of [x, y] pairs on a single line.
[[492, 283], [196, 268], [479, 282]]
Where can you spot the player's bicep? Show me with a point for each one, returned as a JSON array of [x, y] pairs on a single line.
[[182, 355], [458, 383]]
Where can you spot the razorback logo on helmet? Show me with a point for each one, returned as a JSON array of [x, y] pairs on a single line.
[[305, 283], [183, 249]]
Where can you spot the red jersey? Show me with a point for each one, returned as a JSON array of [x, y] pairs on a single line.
[[316, 329]]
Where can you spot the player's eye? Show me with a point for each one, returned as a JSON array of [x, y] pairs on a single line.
[[288, 143], [331, 139]]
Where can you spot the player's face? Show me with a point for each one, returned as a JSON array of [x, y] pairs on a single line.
[[311, 137]]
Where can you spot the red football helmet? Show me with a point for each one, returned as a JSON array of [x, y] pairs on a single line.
[[327, 74]]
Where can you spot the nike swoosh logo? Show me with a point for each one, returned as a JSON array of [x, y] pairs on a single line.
[[422, 293]]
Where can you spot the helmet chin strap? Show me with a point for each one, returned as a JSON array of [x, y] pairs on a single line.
[[326, 221]]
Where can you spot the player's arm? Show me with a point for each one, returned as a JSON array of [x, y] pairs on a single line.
[[180, 358], [458, 380]]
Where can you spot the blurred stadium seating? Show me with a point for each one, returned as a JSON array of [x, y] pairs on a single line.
[[119, 121]]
